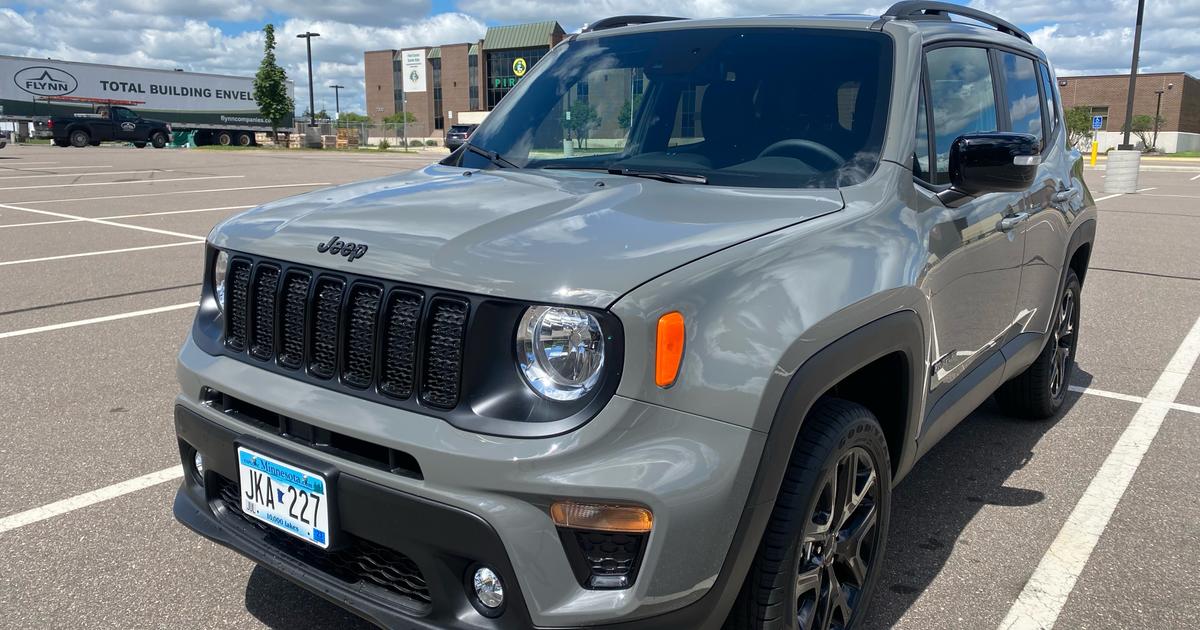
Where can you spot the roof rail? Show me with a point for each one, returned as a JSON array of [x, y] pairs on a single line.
[[923, 10], [617, 21]]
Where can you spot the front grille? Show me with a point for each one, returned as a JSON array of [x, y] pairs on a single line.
[[356, 561], [377, 338]]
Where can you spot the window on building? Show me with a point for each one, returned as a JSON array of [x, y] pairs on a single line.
[[962, 100], [638, 82], [502, 68], [473, 82], [439, 119], [581, 91], [1022, 95]]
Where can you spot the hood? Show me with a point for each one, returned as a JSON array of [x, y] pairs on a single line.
[[566, 237]]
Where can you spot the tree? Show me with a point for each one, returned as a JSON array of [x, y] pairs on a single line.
[[353, 117], [578, 120], [270, 85], [400, 117], [625, 117], [1143, 127], [321, 115], [1079, 125]]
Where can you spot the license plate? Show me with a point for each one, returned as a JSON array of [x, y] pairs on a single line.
[[286, 497]]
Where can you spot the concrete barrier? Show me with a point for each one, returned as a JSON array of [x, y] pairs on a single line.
[[1121, 172]]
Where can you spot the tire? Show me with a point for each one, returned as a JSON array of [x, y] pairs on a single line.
[[1039, 391], [80, 138], [62, 143], [840, 565], [139, 145], [244, 139], [224, 138], [94, 143], [158, 139]]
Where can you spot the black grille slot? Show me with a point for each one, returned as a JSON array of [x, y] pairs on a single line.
[[357, 561], [362, 320], [237, 294], [442, 365], [326, 314], [292, 319], [401, 321], [262, 320]]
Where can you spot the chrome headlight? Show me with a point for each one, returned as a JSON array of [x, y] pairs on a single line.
[[560, 351], [220, 267]]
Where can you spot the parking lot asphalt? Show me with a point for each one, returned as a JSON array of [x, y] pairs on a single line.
[[99, 272]]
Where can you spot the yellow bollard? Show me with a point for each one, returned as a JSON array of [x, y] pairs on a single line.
[[1095, 148]]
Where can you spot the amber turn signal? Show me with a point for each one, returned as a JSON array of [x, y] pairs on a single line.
[[603, 518], [669, 349]]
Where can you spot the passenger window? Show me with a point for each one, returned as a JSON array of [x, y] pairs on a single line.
[[1023, 98], [962, 99], [1049, 97], [921, 153]]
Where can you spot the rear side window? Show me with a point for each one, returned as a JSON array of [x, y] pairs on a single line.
[[962, 100], [1050, 98], [1021, 95]]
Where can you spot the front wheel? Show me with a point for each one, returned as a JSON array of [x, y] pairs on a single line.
[[158, 139], [1040, 390], [818, 562]]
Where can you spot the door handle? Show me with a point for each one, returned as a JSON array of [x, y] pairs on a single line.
[[1066, 194], [1008, 223]]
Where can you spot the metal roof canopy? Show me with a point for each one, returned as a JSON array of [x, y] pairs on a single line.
[[520, 35]]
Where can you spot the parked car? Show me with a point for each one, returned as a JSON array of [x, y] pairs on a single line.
[[109, 123], [458, 134], [662, 356], [4, 138]]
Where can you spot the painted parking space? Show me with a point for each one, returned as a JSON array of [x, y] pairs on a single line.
[[971, 524]]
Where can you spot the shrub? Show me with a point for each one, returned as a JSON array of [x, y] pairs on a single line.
[[415, 143], [384, 145], [431, 143]]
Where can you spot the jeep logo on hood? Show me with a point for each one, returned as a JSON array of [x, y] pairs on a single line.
[[45, 81], [337, 246]]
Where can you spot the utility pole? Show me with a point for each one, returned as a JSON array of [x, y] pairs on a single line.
[[312, 105], [1137, 44], [337, 102]]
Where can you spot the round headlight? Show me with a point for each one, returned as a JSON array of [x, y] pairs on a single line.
[[220, 267], [561, 351]]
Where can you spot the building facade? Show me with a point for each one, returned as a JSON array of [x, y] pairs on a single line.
[[440, 86], [1106, 96]]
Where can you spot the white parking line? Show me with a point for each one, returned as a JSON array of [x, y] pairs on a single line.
[[1042, 599], [34, 163], [136, 181], [57, 168], [28, 517], [1194, 178], [1099, 199], [103, 222], [123, 216], [1141, 190], [96, 320], [41, 175], [178, 192], [99, 253], [1134, 399]]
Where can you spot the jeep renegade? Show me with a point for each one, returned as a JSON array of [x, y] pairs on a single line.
[[653, 347]]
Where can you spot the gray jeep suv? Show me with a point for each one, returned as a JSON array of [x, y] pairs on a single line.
[[653, 347]]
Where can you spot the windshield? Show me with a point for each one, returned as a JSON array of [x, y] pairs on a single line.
[[757, 107]]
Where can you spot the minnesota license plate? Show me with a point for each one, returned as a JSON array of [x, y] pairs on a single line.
[[286, 497]]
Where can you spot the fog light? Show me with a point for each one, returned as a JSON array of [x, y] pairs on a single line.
[[488, 588], [198, 462]]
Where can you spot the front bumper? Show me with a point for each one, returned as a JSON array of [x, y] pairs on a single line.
[[692, 472]]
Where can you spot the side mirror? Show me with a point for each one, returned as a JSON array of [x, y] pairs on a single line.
[[994, 162]]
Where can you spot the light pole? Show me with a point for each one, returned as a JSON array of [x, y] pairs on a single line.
[[312, 105], [1137, 43], [337, 102], [1158, 111]]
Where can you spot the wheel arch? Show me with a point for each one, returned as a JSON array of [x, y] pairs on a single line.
[[1079, 250]]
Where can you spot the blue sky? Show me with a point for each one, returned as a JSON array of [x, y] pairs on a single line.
[[223, 36]]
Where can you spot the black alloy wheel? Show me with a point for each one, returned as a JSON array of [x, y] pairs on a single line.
[[840, 539], [1063, 340]]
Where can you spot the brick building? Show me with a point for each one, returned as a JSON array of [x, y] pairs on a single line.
[[454, 83], [1106, 96]]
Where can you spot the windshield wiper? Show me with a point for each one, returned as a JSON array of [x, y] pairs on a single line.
[[662, 176], [492, 156]]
